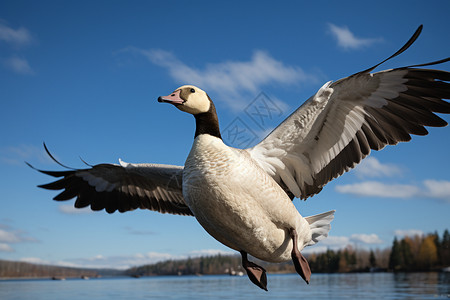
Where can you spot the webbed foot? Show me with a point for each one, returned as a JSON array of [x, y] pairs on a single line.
[[300, 263], [255, 273]]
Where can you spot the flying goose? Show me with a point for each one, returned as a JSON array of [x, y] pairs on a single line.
[[243, 197]]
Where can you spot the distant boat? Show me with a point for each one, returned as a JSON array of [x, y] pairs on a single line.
[[58, 278], [84, 277], [236, 273]]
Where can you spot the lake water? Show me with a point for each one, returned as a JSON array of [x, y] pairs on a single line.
[[322, 286]]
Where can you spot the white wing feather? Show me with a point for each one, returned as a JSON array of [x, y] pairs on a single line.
[[336, 128]]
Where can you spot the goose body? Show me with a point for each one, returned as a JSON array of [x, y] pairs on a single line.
[[243, 197], [222, 186]]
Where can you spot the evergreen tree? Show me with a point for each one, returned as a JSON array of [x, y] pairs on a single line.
[[372, 259], [437, 243], [395, 259], [445, 249], [407, 256]]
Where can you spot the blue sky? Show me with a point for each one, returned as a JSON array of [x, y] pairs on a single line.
[[84, 77]]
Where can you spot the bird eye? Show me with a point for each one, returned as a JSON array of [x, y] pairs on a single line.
[[192, 91]]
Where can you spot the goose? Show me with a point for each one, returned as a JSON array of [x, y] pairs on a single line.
[[244, 197]]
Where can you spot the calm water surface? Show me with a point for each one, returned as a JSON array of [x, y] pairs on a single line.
[[323, 286]]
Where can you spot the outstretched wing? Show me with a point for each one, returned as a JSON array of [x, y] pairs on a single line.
[[338, 126], [122, 187]]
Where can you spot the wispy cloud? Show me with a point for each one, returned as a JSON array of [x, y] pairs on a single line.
[[408, 232], [5, 248], [379, 189], [368, 239], [135, 231], [209, 252], [100, 261], [10, 236], [438, 189], [347, 40], [124, 261], [18, 65], [232, 81], [70, 209], [341, 242], [16, 155], [15, 37], [372, 167]]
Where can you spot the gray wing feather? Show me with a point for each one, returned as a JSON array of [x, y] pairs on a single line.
[[123, 187]]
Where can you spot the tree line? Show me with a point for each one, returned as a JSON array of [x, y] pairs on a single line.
[[15, 269], [420, 253], [417, 253]]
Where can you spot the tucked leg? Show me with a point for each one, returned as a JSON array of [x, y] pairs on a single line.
[[255, 273], [300, 262]]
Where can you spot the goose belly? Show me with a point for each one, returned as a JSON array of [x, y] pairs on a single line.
[[238, 208], [241, 228]]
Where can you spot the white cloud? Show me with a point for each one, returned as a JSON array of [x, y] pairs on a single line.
[[71, 210], [315, 249], [232, 81], [408, 232], [108, 262], [209, 252], [340, 242], [124, 261], [9, 236], [5, 248], [131, 230], [366, 238], [378, 189], [347, 40], [336, 241], [34, 260], [18, 65], [16, 155], [372, 167], [14, 236], [15, 37], [330, 243], [438, 189]]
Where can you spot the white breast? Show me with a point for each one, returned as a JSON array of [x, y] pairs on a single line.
[[238, 203]]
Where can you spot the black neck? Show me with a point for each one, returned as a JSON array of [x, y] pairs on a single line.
[[207, 123]]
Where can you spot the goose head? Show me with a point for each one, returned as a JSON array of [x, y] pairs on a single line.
[[190, 99], [193, 100]]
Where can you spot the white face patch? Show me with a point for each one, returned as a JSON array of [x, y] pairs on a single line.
[[196, 100]]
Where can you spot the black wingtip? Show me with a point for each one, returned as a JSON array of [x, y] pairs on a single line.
[[31, 166], [437, 62], [54, 159], [87, 164], [52, 173], [408, 44]]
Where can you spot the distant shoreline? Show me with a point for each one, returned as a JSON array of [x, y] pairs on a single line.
[[44, 278]]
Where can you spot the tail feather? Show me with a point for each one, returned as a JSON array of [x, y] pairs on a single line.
[[320, 226]]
